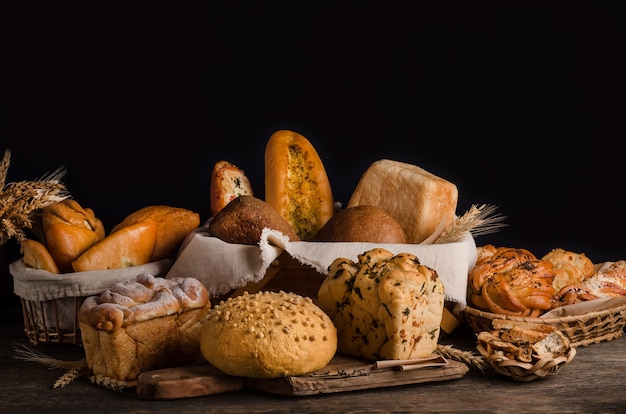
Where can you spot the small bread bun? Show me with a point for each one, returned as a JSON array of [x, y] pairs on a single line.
[[268, 335], [243, 220], [296, 183], [227, 183], [70, 230], [173, 225], [38, 257], [362, 224], [130, 246], [571, 268]]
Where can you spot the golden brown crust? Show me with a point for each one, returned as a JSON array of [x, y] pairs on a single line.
[[422, 202], [243, 220], [132, 245], [173, 226], [227, 183], [268, 335], [144, 324], [384, 306], [364, 223], [570, 267], [511, 281], [69, 230], [38, 257], [296, 183]]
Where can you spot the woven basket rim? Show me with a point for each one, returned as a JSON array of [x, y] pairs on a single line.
[[562, 319]]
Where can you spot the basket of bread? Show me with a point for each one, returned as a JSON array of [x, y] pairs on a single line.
[[562, 289], [75, 258], [289, 239], [525, 351]]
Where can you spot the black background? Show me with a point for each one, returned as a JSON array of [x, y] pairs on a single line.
[[521, 106]]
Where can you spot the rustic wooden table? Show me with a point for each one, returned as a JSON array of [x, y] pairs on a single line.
[[594, 381]]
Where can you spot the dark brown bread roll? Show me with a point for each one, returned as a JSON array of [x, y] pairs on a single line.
[[244, 218]]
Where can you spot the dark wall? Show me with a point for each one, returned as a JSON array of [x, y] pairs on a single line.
[[521, 107]]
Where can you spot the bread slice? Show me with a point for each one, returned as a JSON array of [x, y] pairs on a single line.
[[130, 246], [38, 257], [554, 345], [422, 202]]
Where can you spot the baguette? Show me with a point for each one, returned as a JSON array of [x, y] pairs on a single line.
[[296, 183]]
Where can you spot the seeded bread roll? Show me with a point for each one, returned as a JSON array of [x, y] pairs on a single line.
[[268, 335], [227, 183]]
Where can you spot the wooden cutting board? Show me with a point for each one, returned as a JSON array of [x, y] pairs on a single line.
[[341, 374]]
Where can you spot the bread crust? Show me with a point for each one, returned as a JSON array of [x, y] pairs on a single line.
[[421, 201], [132, 245], [144, 324], [173, 224], [268, 335], [227, 183], [368, 224], [70, 230], [38, 257], [243, 220], [296, 183]]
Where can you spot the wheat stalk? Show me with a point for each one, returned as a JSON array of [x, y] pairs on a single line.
[[467, 357], [21, 201], [111, 383], [478, 220]]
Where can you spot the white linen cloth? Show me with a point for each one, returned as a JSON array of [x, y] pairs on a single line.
[[223, 267]]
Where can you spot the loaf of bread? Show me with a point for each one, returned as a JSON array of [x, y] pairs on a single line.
[[296, 183], [131, 246], [422, 202], [69, 230], [364, 223], [227, 183], [173, 224], [243, 219], [143, 324], [384, 306], [268, 335]]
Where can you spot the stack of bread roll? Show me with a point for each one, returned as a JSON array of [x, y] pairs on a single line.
[[75, 239]]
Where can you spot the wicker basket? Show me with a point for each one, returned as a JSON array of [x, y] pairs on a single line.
[[50, 302], [526, 371], [582, 330]]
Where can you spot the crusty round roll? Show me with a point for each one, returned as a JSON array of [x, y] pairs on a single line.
[[132, 245], [363, 223], [38, 257], [70, 230], [268, 335], [173, 224], [296, 183], [243, 220]]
